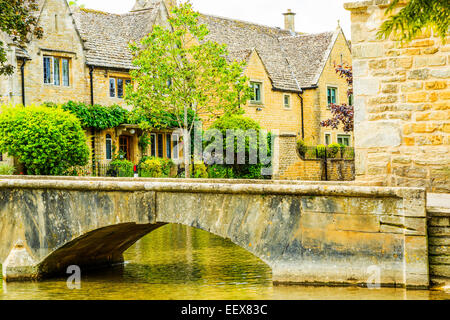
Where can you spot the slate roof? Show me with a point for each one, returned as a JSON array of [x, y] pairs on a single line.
[[107, 36], [292, 60]]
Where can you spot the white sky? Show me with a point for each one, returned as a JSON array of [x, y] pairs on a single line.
[[313, 16]]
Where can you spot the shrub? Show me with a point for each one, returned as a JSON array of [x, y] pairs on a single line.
[[333, 150], [220, 172], [46, 141], [201, 172], [239, 122], [321, 150], [151, 168], [302, 148], [6, 170], [121, 168]]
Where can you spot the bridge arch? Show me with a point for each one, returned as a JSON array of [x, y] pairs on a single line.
[[306, 233]]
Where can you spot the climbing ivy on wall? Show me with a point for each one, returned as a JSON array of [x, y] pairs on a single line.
[[106, 117]]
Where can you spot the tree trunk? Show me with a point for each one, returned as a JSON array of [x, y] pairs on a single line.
[[187, 144]]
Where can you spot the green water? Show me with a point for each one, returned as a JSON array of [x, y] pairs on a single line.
[[176, 262]]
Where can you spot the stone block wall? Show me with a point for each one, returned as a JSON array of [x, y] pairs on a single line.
[[292, 167], [402, 99]]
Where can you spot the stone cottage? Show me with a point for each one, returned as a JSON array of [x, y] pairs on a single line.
[[84, 57]]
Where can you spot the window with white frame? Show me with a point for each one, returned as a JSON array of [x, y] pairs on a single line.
[[344, 140], [327, 139], [257, 92], [56, 71], [287, 101], [176, 141]]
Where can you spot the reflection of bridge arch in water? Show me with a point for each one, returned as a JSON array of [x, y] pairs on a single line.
[[304, 233]]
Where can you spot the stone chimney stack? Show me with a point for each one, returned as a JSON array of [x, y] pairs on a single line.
[[289, 20]]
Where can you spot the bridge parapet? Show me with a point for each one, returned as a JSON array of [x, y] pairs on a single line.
[[306, 232]]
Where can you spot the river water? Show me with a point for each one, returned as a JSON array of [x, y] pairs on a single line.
[[176, 262]]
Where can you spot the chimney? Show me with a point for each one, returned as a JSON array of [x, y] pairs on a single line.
[[289, 20], [145, 4]]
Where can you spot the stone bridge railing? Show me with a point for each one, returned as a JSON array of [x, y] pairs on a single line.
[[306, 232]]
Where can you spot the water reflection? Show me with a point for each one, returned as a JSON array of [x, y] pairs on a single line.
[[176, 262]]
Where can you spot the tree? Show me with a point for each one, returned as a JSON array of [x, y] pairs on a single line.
[[343, 114], [178, 70], [242, 127], [46, 141], [415, 16], [17, 22]]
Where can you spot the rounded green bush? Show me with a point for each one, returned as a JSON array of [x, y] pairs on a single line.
[[200, 172], [151, 168], [121, 168], [333, 150], [46, 141]]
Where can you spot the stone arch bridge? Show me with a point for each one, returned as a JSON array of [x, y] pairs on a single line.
[[307, 233]]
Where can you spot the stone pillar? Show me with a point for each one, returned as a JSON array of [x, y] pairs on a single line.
[[402, 119], [19, 265]]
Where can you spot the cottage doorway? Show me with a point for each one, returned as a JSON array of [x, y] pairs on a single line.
[[124, 146]]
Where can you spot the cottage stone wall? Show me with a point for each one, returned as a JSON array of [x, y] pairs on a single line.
[[402, 113]]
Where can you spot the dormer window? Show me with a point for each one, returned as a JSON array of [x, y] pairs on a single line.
[[56, 71]]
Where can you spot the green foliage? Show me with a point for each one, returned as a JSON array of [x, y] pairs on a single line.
[[321, 150], [301, 147], [199, 171], [121, 168], [96, 116], [6, 170], [151, 167], [220, 172], [18, 21], [242, 125], [46, 141], [333, 150], [107, 117], [414, 17]]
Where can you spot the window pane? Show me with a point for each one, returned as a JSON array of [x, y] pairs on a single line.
[[112, 87], [256, 97], [66, 73], [120, 88], [169, 146], [153, 145], [331, 95], [327, 139], [175, 147], [47, 70], [56, 73], [108, 147], [287, 101], [160, 146]]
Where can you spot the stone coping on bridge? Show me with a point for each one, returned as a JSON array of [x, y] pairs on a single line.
[[210, 186]]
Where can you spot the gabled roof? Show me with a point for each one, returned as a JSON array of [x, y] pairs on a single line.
[[292, 60], [107, 36], [308, 54]]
